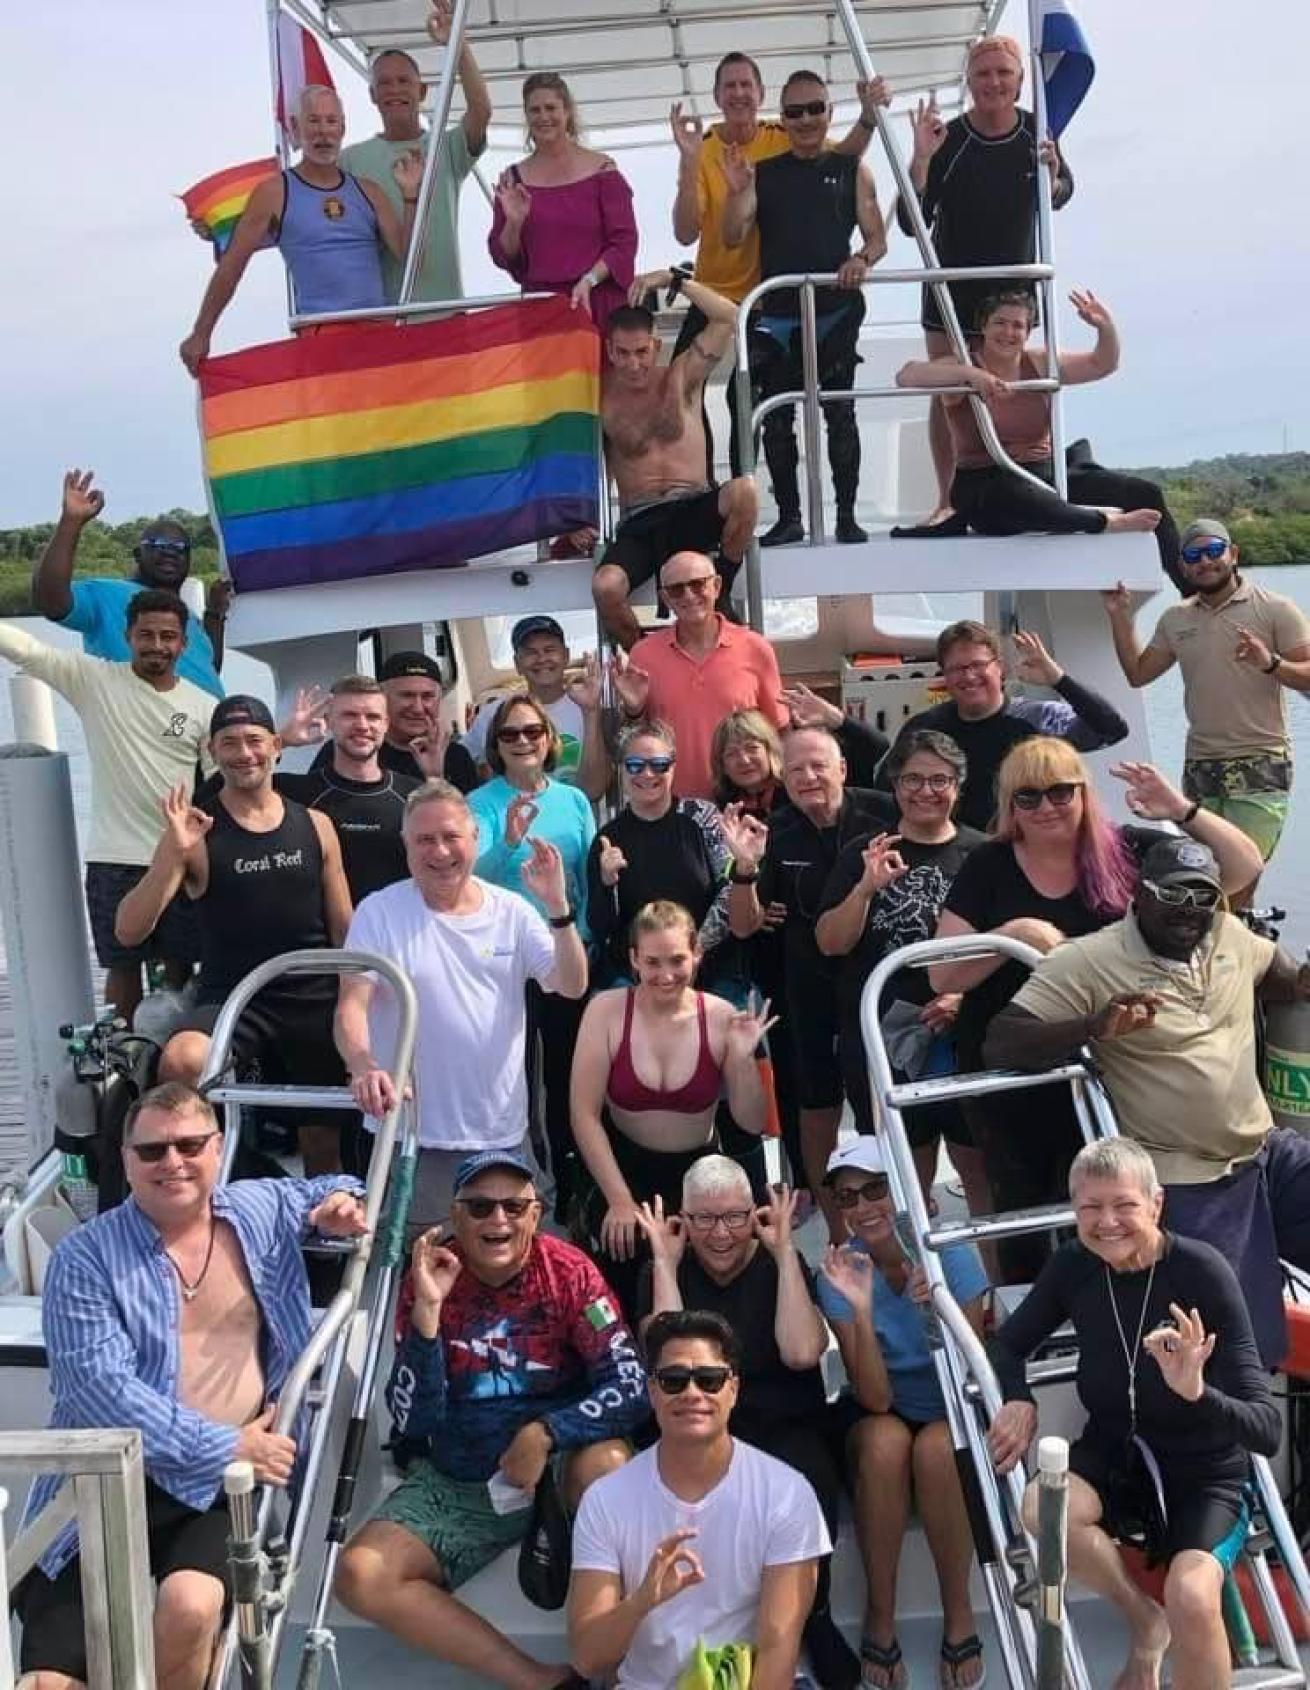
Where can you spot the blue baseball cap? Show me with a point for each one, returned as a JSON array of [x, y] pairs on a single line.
[[482, 1161]]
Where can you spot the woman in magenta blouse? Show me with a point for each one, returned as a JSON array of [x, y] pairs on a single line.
[[563, 221]]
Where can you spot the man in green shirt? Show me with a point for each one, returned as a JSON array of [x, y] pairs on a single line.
[[397, 90]]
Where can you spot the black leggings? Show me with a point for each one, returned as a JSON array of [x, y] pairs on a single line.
[[554, 1021], [995, 501], [777, 368]]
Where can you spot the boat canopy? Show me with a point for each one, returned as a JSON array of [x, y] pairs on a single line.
[[627, 61]]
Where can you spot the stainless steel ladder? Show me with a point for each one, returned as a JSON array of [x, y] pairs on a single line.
[[1006, 1552]]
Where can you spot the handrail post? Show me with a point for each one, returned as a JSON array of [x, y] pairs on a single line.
[[811, 412], [6, 1645], [1052, 1559], [418, 235], [741, 398], [1045, 249]]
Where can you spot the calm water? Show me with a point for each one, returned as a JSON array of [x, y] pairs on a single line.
[[1287, 881]]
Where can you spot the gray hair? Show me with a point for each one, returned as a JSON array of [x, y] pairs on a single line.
[[1115, 1158], [716, 1176], [436, 792], [309, 91], [652, 729], [934, 744]]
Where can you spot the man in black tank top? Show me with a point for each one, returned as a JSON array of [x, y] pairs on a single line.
[[806, 202], [266, 876]]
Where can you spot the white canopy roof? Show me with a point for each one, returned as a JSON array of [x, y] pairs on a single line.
[[626, 61]]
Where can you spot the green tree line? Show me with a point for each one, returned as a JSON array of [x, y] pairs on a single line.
[[1264, 500]]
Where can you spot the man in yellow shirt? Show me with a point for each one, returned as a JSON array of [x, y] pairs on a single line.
[[703, 188]]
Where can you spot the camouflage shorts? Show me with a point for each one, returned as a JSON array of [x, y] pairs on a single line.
[[1251, 792]]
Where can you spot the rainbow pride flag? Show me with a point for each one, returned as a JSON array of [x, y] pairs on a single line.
[[219, 200], [371, 450]]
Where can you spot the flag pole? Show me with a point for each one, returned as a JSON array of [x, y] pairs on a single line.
[[1046, 248], [280, 149]]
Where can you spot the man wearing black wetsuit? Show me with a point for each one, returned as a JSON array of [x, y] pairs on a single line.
[[411, 681], [806, 203], [266, 877]]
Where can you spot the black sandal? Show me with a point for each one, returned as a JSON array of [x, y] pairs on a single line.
[[887, 1659], [956, 1655]]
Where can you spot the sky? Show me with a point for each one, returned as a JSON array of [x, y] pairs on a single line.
[[1190, 219]]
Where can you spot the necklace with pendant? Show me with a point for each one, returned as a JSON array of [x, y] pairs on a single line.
[[191, 1288]]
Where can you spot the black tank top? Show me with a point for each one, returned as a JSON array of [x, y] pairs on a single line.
[[806, 213], [265, 896]]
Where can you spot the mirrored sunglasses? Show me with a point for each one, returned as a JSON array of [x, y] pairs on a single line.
[[1181, 897], [656, 765], [1211, 549]]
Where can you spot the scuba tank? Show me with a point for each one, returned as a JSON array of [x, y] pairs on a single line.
[[1287, 1063], [75, 1140], [109, 1068]]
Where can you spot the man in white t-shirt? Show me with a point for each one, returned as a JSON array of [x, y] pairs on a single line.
[[541, 656], [470, 948], [145, 730], [701, 1541]]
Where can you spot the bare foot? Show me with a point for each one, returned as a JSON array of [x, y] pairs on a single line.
[[943, 513], [1132, 522], [1150, 1640]]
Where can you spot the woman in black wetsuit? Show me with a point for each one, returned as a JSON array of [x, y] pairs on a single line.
[[1177, 1402]]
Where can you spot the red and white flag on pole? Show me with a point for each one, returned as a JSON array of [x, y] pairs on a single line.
[[300, 64]]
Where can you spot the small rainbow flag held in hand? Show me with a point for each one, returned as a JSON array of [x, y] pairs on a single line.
[[219, 200], [373, 450]]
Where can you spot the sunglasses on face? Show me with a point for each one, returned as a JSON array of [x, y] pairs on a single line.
[[916, 783], [1212, 549], [805, 108], [656, 765], [673, 1381], [483, 1208], [168, 548], [734, 1220], [1185, 897], [698, 586], [872, 1191], [532, 732], [154, 1150], [1060, 795]]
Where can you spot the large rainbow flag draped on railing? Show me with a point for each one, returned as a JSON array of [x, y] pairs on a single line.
[[371, 450]]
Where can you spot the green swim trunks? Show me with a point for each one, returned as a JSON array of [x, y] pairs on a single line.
[[1250, 791], [1260, 815], [454, 1518]]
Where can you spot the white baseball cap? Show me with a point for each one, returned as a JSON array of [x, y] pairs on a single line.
[[863, 1153]]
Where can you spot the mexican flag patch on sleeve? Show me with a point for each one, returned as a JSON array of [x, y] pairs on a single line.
[[601, 1313]]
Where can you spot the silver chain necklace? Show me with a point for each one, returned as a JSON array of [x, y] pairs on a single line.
[[1130, 1356]]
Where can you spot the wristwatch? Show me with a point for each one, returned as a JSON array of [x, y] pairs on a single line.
[[558, 922], [1271, 667], [743, 877]]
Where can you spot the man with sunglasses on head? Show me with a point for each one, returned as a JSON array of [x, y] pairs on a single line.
[[700, 1543], [180, 1313], [724, 1254], [511, 1353], [697, 672], [96, 606], [984, 720], [1165, 998], [1237, 645]]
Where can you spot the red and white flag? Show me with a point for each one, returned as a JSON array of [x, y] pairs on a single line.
[[300, 64]]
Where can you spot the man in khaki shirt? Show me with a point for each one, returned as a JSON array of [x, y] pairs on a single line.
[[1238, 646], [1164, 999]]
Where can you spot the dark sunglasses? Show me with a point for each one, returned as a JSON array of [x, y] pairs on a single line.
[[673, 1381], [482, 1208], [154, 1150], [1181, 897], [170, 548], [805, 108], [530, 731], [1060, 795], [699, 585], [872, 1191], [1212, 549], [656, 765]]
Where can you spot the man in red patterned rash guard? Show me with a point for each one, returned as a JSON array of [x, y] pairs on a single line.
[[510, 1351]]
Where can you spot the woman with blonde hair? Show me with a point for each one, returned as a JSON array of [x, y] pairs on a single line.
[[1055, 867], [563, 219], [746, 762]]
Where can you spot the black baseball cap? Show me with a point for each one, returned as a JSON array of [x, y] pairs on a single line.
[[241, 710], [525, 628], [1171, 860], [402, 663]]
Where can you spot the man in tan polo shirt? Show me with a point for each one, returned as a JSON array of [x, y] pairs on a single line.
[[1164, 999], [1237, 645]]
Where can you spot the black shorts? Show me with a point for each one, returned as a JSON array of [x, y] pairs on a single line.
[[283, 1041], [644, 542], [924, 1125], [812, 1021], [1208, 1507], [176, 937], [54, 1627]]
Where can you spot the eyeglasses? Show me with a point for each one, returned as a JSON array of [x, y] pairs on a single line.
[[805, 108], [872, 1191], [482, 1208], [673, 1381], [734, 1220], [530, 731], [965, 671], [188, 1148], [1212, 549], [171, 548], [1061, 794], [934, 783], [698, 586], [639, 765], [1183, 897]]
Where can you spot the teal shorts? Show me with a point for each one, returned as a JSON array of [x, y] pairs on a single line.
[[455, 1519], [1260, 815]]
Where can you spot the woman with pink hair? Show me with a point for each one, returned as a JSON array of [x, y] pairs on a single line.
[[1054, 868]]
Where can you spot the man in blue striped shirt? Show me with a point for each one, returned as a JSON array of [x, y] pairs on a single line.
[[181, 1314]]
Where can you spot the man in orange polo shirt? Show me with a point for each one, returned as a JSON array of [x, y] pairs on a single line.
[[697, 672], [703, 188]]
